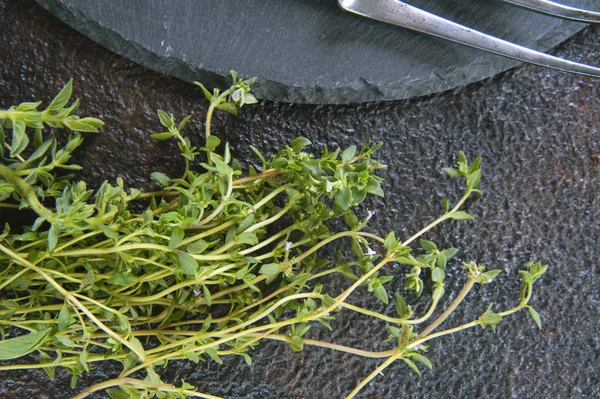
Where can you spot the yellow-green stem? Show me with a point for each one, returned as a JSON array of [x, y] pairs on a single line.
[[461, 295], [374, 374], [72, 300]]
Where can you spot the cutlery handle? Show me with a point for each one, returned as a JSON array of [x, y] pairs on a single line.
[[407, 16]]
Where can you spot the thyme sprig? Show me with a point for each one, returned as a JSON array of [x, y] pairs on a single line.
[[220, 260]]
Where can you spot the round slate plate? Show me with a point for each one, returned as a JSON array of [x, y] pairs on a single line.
[[307, 51]]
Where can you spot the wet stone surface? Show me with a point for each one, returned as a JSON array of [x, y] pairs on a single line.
[[537, 131]]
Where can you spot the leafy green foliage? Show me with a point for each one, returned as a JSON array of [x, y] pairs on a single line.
[[57, 115], [219, 260], [489, 318], [472, 172], [13, 348]]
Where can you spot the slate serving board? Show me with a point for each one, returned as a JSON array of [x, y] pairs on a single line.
[[307, 51]]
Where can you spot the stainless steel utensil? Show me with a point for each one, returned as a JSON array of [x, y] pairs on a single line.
[[407, 16]]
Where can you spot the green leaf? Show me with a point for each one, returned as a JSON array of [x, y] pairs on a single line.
[[358, 195], [117, 393], [461, 215], [249, 98], [373, 187], [188, 264], [62, 97], [351, 219], [487, 277], [28, 236], [247, 358], [441, 260], [165, 119], [77, 125], [74, 378], [52, 238], [247, 238], [475, 165], [452, 172], [66, 341], [296, 343], [381, 294], [390, 241], [269, 269], [251, 285], [438, 275], [223, 168], [229, 107], [207, 93], [536, 270], [64, 318], [428, 245], [177, 235], [183, 122], [214, 355], [40, 150], [349, 153], [212, 142], [162, 136], [124, 279], [474, 179], [161, 178], [394, 331], [107, 231], [19, 138], [462, 159], [28, 106], [22, 345], [197, 247], [299, 143], [412, 365], [401, 307], [404, 336], [403, 260], [83, 360], [527, 277], [325, 323], [535, 316], [421, 359], [449, 252], [88, 280], [343, 198], [44, 358], [489, 318], [207, 295], [93, 123], [258, 154]]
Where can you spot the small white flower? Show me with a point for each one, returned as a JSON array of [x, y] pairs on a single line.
[[197, 292], [288, 246], [370, 252], [370, 214]]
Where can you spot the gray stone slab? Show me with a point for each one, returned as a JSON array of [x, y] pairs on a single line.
[[307, 51]]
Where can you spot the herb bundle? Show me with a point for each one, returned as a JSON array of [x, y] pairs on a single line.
[[219, 260]]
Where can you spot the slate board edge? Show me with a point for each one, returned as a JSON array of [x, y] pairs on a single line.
[[359, 92]]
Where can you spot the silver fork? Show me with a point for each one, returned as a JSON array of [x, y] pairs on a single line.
[[407, 16]]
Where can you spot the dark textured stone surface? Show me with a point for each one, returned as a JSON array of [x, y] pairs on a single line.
[[537, 131], [307, 51]]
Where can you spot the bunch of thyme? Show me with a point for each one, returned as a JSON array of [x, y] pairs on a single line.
[[220, 259]]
